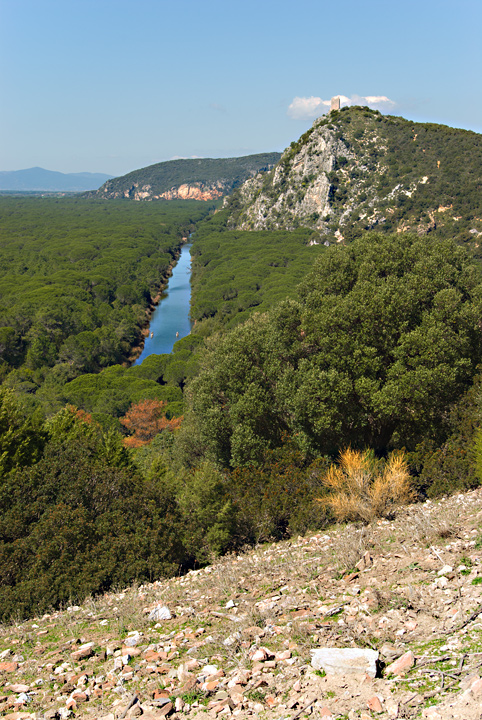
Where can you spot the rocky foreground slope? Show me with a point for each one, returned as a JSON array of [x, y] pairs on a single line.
[[237, 638]]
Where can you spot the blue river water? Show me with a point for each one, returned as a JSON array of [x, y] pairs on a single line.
[[171, 316]]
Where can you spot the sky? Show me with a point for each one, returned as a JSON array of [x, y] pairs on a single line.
[[115, 85]]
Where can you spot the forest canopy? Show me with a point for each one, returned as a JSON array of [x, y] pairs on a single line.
[[76, 279], [385, 335]]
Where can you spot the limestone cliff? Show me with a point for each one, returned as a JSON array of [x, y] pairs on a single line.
[[298, 189], [196, 191], [186, 191]]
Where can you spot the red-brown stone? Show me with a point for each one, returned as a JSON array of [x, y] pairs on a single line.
[[8, 667]]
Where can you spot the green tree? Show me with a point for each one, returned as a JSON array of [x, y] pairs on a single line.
[[81, 351], [80, 520], [385, 336], [234, 398], [10, 344], [208, 516], [393, 330], [21, 438]]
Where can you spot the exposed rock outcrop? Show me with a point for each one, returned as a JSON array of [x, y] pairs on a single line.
[[196, 191], [298, 190], [186, 191]]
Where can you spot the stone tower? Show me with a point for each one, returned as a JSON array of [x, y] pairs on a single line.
[[335, 103]]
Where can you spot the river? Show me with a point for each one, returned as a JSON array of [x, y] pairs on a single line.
[[171, 316]]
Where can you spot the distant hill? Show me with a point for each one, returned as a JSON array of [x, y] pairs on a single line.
[[356, 170], [38, 179], [198, 179]]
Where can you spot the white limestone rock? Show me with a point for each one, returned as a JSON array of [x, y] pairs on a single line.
[[345, 661]]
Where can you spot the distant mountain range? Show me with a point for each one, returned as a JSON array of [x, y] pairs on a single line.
[[187, 179], [37, 179]]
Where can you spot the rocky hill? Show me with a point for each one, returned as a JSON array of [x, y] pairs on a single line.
[[356, 169], [244, 637], [197, 179]]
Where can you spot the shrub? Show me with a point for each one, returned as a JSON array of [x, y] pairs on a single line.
[[208, 518], [360, 489], [21, 438], [145, 420], [76, 523], [454, 465], [278, 498]]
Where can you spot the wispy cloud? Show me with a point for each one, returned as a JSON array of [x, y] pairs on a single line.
[[217, 107], [310, 107]]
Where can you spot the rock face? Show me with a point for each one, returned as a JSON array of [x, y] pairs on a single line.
[[186, 191], [196, 191], [298, 189]]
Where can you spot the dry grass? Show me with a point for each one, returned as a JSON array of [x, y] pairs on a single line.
[[359, 490], [127, 613], [428, 524], [351, 546]]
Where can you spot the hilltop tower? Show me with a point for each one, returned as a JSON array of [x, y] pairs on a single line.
[[335, 103]]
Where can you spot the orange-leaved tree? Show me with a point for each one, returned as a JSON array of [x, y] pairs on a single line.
[[145, 420], [80, 414]]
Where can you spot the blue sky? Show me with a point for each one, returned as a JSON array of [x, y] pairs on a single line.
[[115, 85]]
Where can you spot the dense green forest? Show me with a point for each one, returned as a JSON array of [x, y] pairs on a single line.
[[76, 280], [273, 401], [112, 473], [383, 336], [236, 272]]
